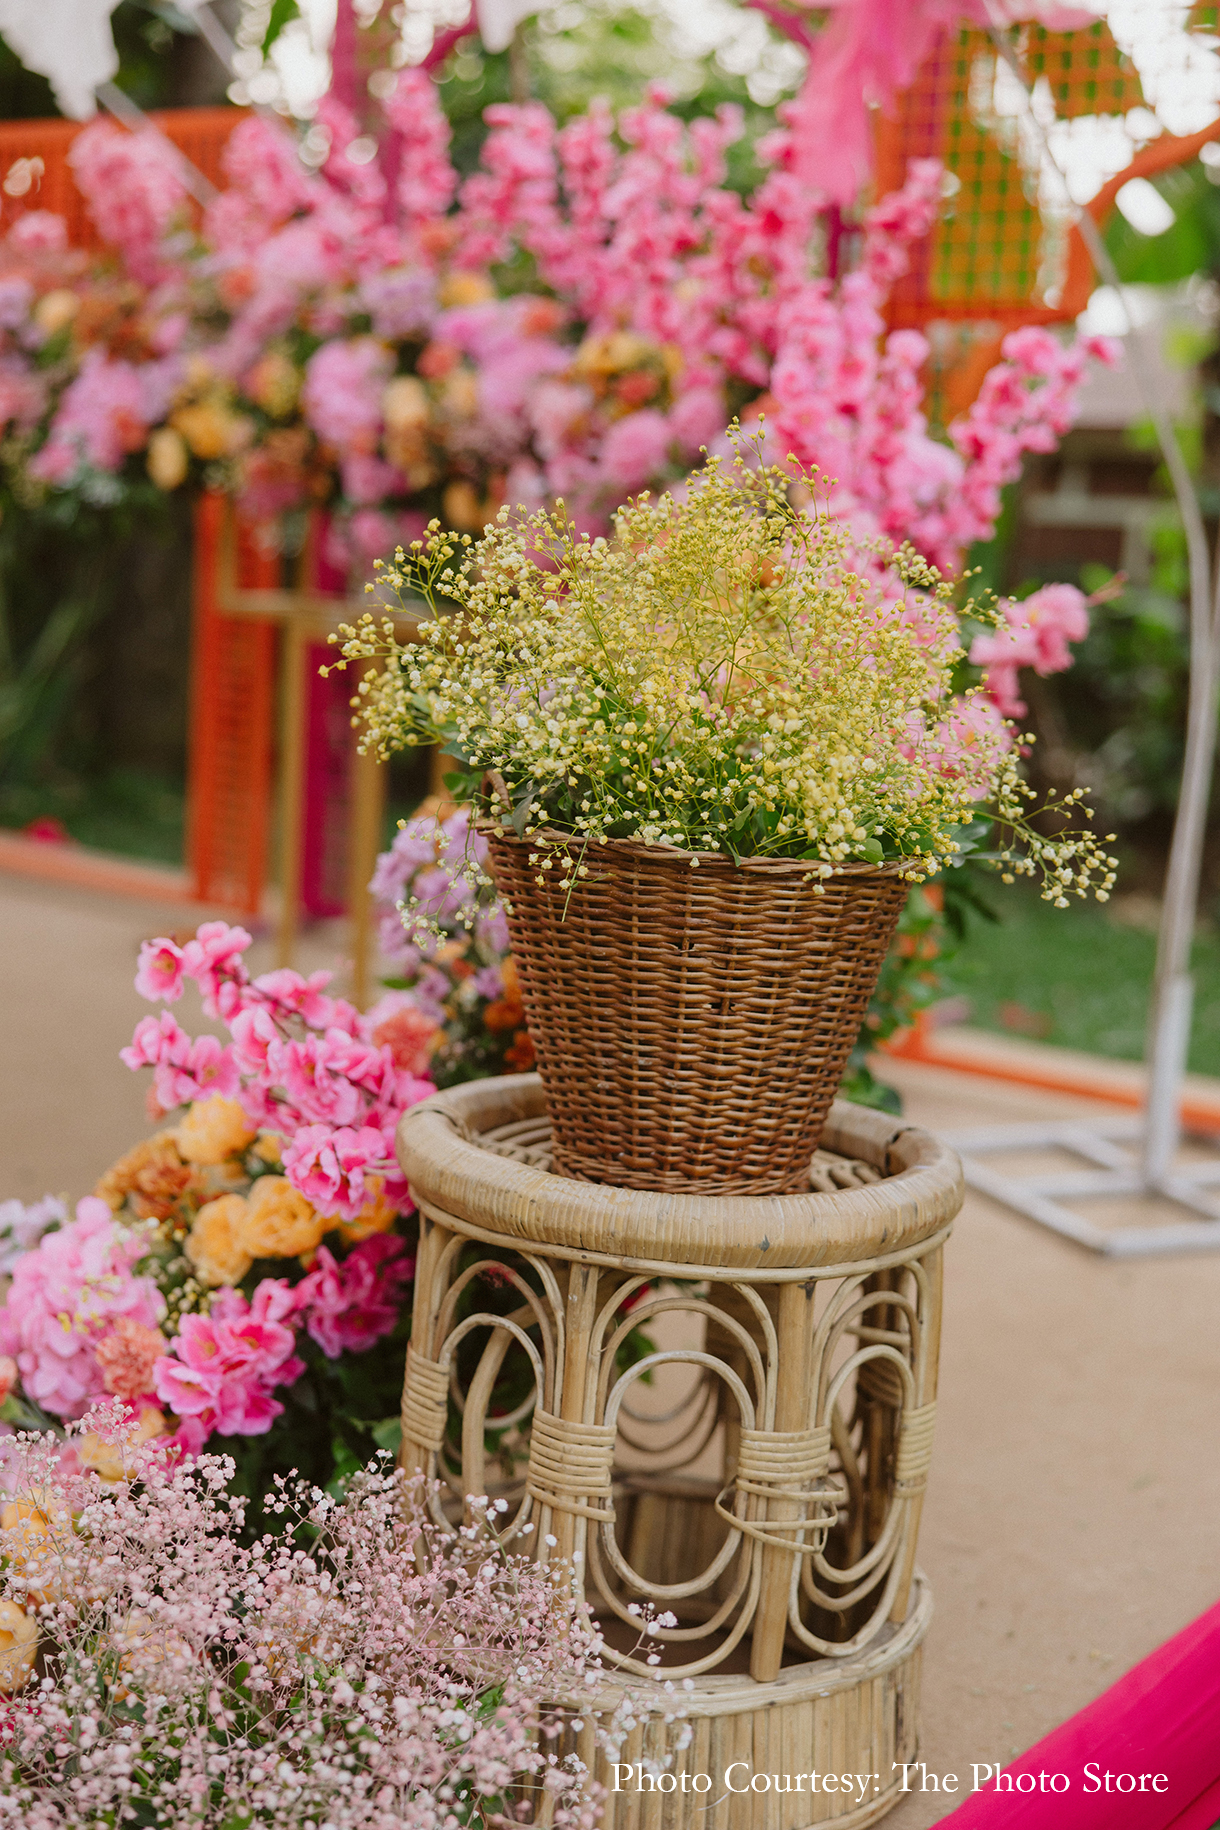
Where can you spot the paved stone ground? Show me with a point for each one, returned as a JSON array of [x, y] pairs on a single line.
[[1073, 1517]]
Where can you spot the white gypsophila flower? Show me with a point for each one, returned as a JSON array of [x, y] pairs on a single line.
[[730, 673]]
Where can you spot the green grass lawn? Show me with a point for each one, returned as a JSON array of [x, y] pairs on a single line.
[[1076, 977]]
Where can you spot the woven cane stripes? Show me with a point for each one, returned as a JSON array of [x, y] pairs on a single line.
[[425, 1401], [684, 1482], [914, 1454], [569, 1466], [692, 1025]]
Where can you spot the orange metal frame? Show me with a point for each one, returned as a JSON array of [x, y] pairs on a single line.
[[233, 670]]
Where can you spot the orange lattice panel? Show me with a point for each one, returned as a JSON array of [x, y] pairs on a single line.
[[996, 254], [200, 133], [229, 792]]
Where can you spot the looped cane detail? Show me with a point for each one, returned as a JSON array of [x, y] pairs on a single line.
[[570, 1466], [913, 1456], [880, 1381], [425, 1401], [781, 1465]]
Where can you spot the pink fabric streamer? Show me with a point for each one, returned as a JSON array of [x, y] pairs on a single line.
[[1162, 1717], [867, 54]]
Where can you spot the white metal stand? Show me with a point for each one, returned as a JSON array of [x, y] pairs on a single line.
[[1112, 1148], [1137, 1157]]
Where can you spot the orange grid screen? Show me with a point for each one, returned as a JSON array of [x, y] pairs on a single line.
[[231, 782], [199, 133], [995, 253]]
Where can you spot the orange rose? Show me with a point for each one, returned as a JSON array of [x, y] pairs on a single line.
[[213, 1130], [279, 1222], [18, 1646], [215, 1245], [152, 1175]]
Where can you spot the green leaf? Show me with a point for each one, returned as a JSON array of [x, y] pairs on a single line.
[[521, 813], [388, 1434], [873, 851], [282, 13]]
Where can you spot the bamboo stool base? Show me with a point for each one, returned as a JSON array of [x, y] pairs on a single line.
[[759, 1511], [821, 1717]]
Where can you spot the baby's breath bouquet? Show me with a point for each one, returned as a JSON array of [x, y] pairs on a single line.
[[710, 752], [728, 673]]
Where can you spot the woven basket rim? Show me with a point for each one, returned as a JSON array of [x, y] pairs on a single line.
[[449, 1171], [673, 854]]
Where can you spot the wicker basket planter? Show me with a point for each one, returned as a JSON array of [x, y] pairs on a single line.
[[692, 1024]]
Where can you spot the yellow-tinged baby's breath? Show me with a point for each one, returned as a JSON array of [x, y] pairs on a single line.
[[726, 674]]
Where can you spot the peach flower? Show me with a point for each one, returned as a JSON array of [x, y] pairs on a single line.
[[212, 1131], [279, 1222], [127, 1357], [18, 1646], [214, 1244]]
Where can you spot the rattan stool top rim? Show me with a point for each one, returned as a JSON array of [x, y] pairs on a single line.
[[449, 1171]]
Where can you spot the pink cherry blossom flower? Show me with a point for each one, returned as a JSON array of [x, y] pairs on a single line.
[[159, 973], [254, 1035], [329, 1166], [223, 1367], [156, 1041], [304, 997], [319, 1075], [350, 1306], [213, 959]]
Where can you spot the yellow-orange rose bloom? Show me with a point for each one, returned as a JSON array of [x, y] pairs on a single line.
[[214, 1244], [213, 1130], [168, 459], [279, 1222], [107, 1458], [378, 1217], [35, 1533], [18, 1646]]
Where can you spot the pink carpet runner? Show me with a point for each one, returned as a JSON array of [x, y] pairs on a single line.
[[1162, 1718]]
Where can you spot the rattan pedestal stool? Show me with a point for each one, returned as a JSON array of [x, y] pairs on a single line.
[[722, 1407]]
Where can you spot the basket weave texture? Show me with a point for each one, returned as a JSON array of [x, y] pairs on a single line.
[[691, 1024]]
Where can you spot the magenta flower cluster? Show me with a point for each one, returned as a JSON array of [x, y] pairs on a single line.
[[299, 1061], [223, 1367], [218, 1373], [667, 295]]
